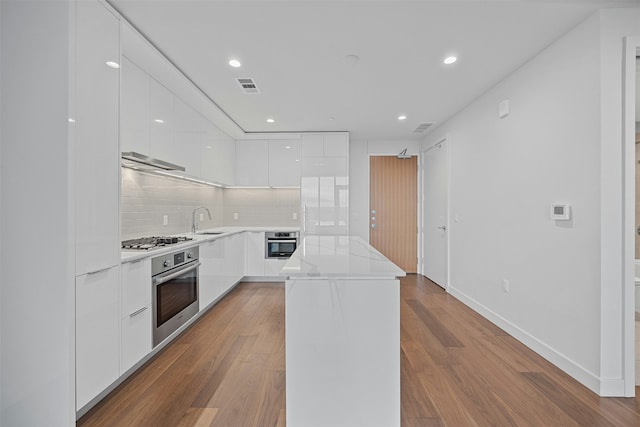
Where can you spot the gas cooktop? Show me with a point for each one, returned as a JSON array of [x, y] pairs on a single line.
[[147, 243]]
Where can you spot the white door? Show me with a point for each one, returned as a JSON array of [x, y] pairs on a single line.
[[435, 187]]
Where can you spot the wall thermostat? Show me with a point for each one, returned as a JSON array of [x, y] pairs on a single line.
[[560, 211]]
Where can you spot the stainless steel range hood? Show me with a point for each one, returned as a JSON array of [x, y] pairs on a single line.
[[141, 159]]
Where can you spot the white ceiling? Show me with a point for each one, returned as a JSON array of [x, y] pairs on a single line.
[[295, 52]]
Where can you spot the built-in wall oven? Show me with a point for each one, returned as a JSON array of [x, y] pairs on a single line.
[[280, 245], [175, 291]]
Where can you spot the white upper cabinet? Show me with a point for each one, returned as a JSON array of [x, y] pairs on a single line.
[[284, 163], [135, 116], [252, 163], [188, 133], [324, 145], [216, 151], [97, 153], [161, 108]]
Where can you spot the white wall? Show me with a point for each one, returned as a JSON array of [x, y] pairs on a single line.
[[504, 175], [36, 315], [562, 142], [359, 153]]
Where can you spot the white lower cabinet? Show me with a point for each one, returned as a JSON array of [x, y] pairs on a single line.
[[136, 312], [272, 267], [97, 333], [255, 248], [234, 258], [211, 280]]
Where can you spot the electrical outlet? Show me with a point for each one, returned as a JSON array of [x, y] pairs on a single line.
[[505, 286], [201, 217], [165, 220], [294, 216], [235, 215]]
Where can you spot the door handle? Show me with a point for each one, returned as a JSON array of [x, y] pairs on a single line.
[[444, 227]]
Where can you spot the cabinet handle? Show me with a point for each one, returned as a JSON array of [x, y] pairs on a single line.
[[99, 271], [135, 313]]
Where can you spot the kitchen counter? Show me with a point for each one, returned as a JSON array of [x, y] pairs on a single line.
[[342, 332], [338, 256], [199, 237]]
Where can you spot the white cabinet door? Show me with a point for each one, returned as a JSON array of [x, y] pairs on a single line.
[[252, 163], [272, 267], [234, 259], [254, 251], [161, 111], [187, 137], [97, 337], [134, 108], [211, 278], [97, 154], [324, 189], [284, 163], [336, 145], [312, 145], [136, 312]]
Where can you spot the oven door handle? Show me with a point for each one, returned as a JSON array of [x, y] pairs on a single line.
[[162, 279]]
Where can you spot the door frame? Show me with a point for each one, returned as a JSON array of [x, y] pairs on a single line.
[[421, 210], [631, 50]]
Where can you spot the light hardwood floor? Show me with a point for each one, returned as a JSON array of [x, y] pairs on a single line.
[[458, 369]]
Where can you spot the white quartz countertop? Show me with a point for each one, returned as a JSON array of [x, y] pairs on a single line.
[[198, 237], [338, 256]]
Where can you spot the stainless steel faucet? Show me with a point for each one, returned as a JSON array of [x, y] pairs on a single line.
[[194, 226]]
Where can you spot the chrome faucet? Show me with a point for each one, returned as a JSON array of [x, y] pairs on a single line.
[[194, 226]]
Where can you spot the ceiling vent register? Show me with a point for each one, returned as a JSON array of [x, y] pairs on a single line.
[[423, 127], [248, 85]]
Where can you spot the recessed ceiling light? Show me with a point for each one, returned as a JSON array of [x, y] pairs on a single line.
[[450, 60], [159, 121], [332, 118], [402, 117], [71, 120], [235, 63], [270, 120], [287, 147], [113, 64]]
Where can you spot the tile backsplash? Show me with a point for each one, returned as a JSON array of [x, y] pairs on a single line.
[[262, 207], [147, 198]]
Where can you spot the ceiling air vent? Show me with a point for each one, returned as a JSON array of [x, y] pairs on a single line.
[[248, 85], [423, 127]]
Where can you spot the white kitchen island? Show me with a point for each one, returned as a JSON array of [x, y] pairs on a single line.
[[342, 321]]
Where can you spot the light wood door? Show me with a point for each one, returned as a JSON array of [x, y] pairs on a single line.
[[393, 209]]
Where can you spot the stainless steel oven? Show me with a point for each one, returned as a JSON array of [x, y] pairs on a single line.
[[280, 245], [175, 291]]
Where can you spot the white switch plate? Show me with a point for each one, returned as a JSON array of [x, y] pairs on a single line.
[[235, 215], [201, 217], [505, 286], [165, 220], [294, 216]]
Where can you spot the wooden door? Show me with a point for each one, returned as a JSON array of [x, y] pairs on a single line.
[[393, 209]]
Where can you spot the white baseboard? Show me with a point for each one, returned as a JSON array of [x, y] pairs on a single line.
[[613, 387]]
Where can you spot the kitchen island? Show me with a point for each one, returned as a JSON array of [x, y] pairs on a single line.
[[342, 302]]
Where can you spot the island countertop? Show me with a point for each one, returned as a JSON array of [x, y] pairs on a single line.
[[338, 256]]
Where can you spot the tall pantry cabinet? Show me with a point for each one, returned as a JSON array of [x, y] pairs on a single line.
[[97, 183]]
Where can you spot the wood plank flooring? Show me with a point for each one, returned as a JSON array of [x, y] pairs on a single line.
[[457, 369]]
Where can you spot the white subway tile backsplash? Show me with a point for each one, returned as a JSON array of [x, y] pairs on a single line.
[[147, 198]]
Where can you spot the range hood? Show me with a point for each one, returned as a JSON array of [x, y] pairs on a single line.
[[149, 161]]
